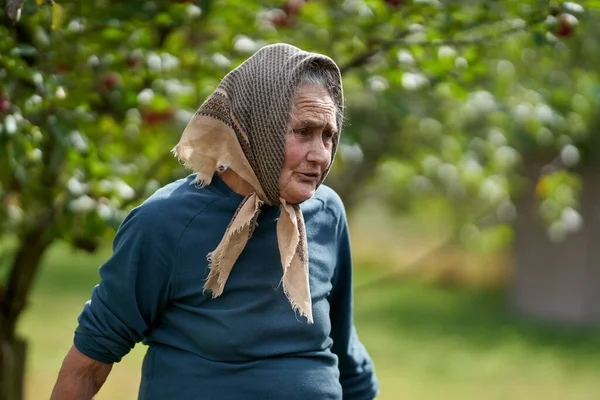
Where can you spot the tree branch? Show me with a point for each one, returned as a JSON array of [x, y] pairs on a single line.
[[363, 58], [385, 44], [480, 39]]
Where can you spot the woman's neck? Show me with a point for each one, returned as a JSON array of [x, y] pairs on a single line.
[[235, 182]]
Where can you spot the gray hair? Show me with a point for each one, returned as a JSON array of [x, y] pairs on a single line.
[[315, 74]]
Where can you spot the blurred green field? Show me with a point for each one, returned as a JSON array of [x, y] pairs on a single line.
[[428, 342]]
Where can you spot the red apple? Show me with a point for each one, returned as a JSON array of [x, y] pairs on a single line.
[[111, 80], [292, 7], [393, 3], [153, 117], [4, 102], [565, 25], [61, 68], [280, 19]]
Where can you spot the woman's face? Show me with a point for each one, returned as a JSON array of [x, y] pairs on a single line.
[[309, 143]]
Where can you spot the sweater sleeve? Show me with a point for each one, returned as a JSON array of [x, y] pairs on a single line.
[[134, 288], [357, 374]]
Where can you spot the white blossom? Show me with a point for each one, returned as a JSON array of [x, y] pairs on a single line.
[[244, 44], [544, 113], [145, 96], [60, 92], [570, 155], [104, 211], [83, 204], [78, 141], [352, 153], [445, 52], [169, 62], [14, 213], [378, 83], [35, 155], [10, 124], [506, 156], [483, 100], [505, 67], [93, 61], [405, 57], [447, 172], [496, 137], [124, 190], [413, 81], [154, 62], [105, 186], [220, 60], [573, 7], [76, 187], [492, 190], [75, 25], [461, 62], [572, 220], [193, 11]]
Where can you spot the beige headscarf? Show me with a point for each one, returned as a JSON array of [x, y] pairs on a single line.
[[242, 126]]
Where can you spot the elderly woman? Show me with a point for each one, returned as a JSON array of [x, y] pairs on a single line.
[[239, 277]]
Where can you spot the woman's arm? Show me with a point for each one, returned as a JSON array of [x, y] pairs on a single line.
[[133, 290], [80, 377], [357, 373]]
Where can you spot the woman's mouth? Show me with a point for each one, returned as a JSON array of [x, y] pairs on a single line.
[[310, 176]]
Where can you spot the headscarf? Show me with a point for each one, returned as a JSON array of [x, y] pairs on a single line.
[[243, 126]]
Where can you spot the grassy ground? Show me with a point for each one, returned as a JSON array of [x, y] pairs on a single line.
[[428, 342]]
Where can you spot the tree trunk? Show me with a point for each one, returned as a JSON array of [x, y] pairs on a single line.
[[32, 245], [12, 368], [558, 282]]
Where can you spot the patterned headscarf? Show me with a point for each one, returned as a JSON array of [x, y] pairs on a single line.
[[243, 126]]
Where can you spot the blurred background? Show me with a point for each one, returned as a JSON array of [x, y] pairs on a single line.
[[468, 165]]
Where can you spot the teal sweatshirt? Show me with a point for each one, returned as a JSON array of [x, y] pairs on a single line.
[[246, 344]]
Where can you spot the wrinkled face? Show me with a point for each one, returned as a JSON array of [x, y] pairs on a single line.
[[309, 143]]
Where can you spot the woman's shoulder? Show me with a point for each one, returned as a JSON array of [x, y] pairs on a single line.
[[327, 200], [177, 203]]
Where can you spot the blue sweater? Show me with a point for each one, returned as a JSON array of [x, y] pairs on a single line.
[[247, 343]]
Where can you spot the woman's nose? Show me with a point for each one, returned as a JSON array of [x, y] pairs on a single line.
[[319, 152]]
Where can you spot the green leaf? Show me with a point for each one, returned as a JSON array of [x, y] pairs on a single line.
[[594, 4], [58, 16], [112, 34], [26, 50], [163, 19], [206, 6]]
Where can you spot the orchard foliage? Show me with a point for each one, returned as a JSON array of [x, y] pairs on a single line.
[[444, 98]]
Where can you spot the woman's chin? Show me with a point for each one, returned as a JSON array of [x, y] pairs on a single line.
[[298, 195]]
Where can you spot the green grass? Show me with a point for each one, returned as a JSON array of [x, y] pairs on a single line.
[[428, 342]]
